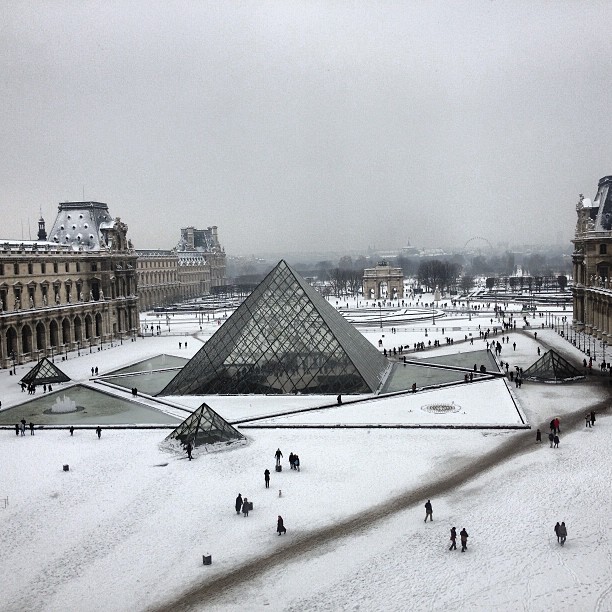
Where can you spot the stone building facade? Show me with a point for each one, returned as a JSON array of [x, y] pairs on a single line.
[[73, 290], [592, 263], [193, 268]]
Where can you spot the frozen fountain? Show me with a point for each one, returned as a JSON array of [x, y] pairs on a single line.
[[64, 405]]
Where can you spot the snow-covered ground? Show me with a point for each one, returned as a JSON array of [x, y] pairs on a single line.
[[126, 527]]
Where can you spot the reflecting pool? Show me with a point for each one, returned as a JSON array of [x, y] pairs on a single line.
[[91, 407]]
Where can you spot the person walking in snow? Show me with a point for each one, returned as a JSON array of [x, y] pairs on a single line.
[[189, 448], [246, 504], [562, 533], [464, 536], [278, 456], [538, 436], [428, 511], [296, 463], [16, 429], [587, 419], [280, 526], [453, 539], [238, 503], [71, 429], [267, 477], [556, 441], [557, 527], [291, 458], [551, 439], [31, 428], [592, 418], [99, 431]]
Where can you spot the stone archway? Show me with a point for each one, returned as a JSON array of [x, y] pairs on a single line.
[[26, 339], [66, 336], [99, 327], [41, 336], [54, 334], [88, 326], [11, 342], [78, 329]]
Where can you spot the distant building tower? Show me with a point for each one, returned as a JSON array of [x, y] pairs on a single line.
[[42, 232]]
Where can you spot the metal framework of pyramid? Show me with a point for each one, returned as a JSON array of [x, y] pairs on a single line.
[[205, 426], [552, 367], [284, 338], [44, 372]]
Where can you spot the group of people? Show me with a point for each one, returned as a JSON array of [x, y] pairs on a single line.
[[243, 505], [94, 371], [463, 534], [561, 532], [20, 428], [589, 419]]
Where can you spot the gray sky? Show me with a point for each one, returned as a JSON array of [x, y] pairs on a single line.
[[307, 125]]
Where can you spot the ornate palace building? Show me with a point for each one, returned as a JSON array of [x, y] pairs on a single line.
[[592, 261], [195, 267], [71, 290]]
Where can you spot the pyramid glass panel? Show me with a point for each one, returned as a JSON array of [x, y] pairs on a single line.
[[43, 373], [205, 426], [284, 338], [552, 367]]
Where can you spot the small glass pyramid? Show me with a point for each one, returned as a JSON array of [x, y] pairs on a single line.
[[284, 338], [205, 426], [552, 367], [44, 372]]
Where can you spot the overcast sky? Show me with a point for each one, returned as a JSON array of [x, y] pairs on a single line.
[[297, 126]]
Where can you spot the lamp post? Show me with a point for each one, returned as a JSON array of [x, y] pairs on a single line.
[[52, 357], [90, 342], [79, 348], [380, 313], [14, 367]]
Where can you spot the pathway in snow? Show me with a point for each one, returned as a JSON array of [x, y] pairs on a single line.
[[306, 545]]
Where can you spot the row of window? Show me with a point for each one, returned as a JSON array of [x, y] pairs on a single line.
[[43, 267]]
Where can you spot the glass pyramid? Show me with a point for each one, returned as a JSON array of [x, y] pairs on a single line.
[[205, 426], [284, 338], [552, 367], [44, 372]]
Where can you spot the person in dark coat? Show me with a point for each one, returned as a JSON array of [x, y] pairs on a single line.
[[16, 429], [464, 536], [428, 511], [278, 456], [538, 436], [291, 458], [189, 448], [245, 507], [238, 503], [31, 428], [592, 418], [556, 441], [339, 400], [587, 420], [562, 533], [99, 431], [551, 439], [267, 477], [71, 429], [453, 538], [280, 527], [557, 527], [296, 463]]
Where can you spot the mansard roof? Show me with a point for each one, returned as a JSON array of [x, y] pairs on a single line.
[[80, 225]]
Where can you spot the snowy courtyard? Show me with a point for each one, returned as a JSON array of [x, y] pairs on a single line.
[[126, 527]]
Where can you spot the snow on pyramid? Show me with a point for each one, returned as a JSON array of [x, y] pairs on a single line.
[[552, 367], [284, 338], [44, 372], [205, 426]]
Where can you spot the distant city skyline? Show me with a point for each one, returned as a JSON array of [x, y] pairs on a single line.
[[307, 126]]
